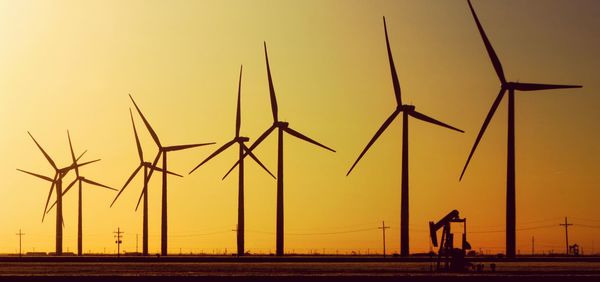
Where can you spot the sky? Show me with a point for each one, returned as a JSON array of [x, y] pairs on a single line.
[[70, 65]]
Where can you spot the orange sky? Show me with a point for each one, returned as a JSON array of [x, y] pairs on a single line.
[[70, 65]]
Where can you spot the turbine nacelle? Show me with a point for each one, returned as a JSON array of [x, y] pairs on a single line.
[[406, 108], [242, 139], [281, 124], [512, 86]]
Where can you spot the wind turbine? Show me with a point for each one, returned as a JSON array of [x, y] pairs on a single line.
[[242, 149], [79, 179], [59, 173], [510, 176], [281, 127], [406, 110], [148, 168], [162, 151]]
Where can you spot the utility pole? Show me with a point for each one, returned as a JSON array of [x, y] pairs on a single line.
[[383, 228], [136, 243], [118, 236], [532, 245], [20, 234], [566, 225]]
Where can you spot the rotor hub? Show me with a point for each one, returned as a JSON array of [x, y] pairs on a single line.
[[407, 108], [282, 124]]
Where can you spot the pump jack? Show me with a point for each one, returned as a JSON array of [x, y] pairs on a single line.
[[454, 257]]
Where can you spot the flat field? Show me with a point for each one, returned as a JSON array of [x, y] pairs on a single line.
[[286, 269]]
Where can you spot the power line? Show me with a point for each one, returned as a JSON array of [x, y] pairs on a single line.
[[518, 229], [317, 233], [521, 223], [588, 226], [201, 234], [586, 219]]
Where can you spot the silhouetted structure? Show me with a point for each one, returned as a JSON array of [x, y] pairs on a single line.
[[20, 234], [281, 127], [383, 228], [146, 166], [574, 250], [406, 110], [79, 179], [454, 257], [510, 87], [118, 240], [566, 225], [59, 173], [162, 151], [242, 149]]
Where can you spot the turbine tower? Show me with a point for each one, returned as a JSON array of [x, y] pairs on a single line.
[[148, 168], [59, 174], [510, 175], [162, 151], [282, 127], [79, 179], [406, 110], [242, 149]]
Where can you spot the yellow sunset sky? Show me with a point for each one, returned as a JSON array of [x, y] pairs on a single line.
[[70, 65]]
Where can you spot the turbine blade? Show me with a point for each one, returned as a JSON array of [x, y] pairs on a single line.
[[72, 153], [395, 80], [37, 175], [231, 169], [248, 152], [161, 170], [154, 136], [252, 147], [137, 139], [381, 129], [487, 120], [63, 193], [126, 183], [271, 88], [69, 187], [488, 47], [80, 165], [48, 200], [537, 86], [218, 151], [183, 147], [75, 165], [152, 168], [262, 137], [305, 138], [97, 184], [76, 160], [425, 118], [50, 208], [154, 165], [140, 198], [238, 116], [43, 152]]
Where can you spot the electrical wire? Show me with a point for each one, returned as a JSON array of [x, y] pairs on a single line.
[[518, 229]]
